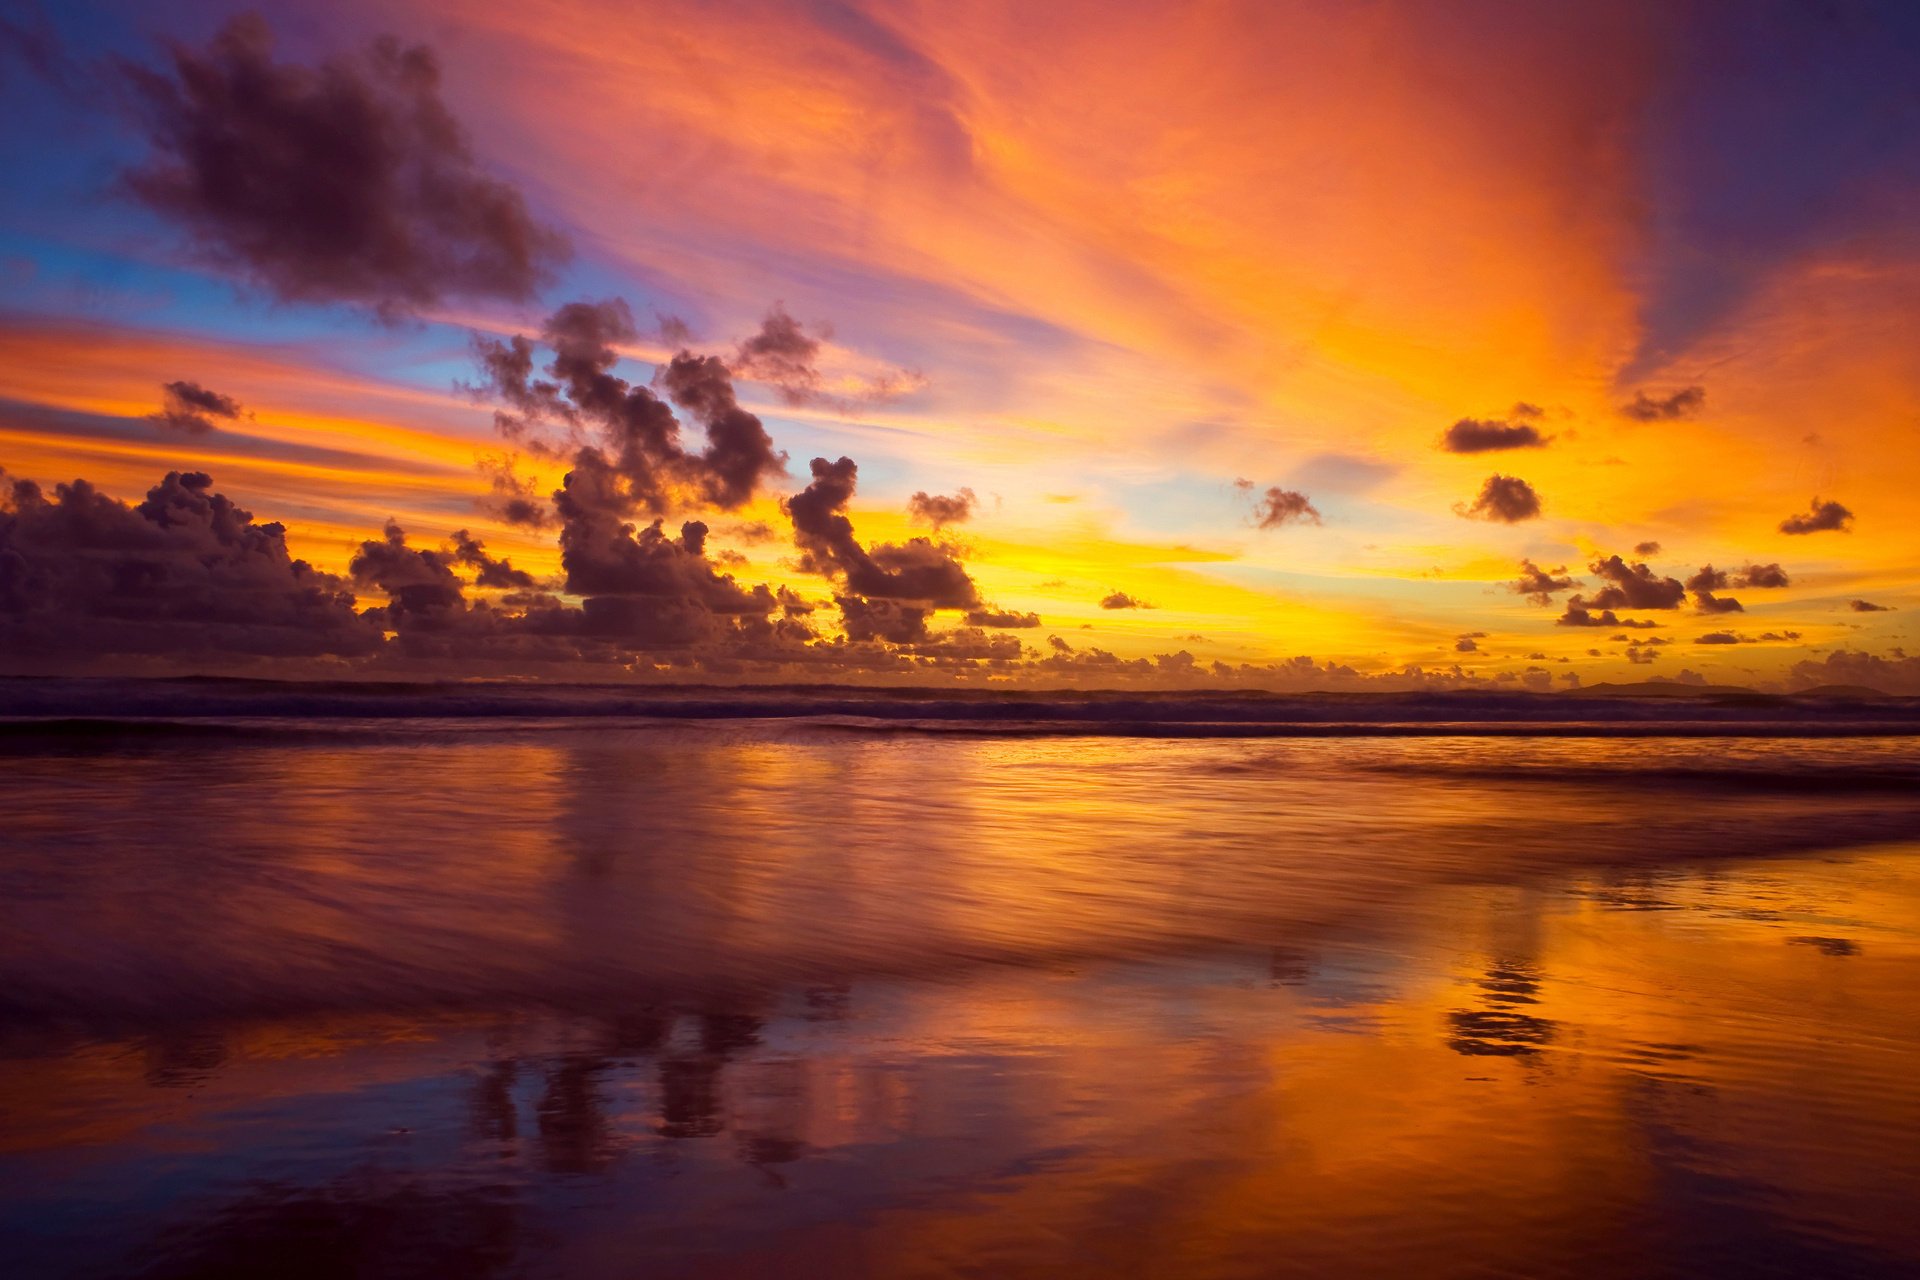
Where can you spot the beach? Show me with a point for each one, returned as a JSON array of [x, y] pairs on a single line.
[[548, 996]]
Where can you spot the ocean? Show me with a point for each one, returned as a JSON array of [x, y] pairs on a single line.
[[533, 981]]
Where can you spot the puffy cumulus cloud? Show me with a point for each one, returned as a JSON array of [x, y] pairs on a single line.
[[1648, 548], [941, 510], [1486, 435], [1540, 585], [1002, 619], [917, 571], [184, 572], [625, 436], [1868, 606], [1703, 585], [1762, 577], [1505, 499], [1820, 517], [1640, 656], [1281, 507], [1894, 672], [191, 408], [1121, 600], [1685, 403], [1719, 637], [419, 584], [1634, 586], [346, 182], [499, 574], [1468, 644]]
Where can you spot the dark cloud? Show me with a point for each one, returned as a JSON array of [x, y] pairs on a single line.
[[739, 452], [1681, 404], [916, 571], [1820, 517], [1505, 499], [1646, 548], [940, 510], [1282, 507], [887, 620], [1635, 587], [1867, 606], [191, 408], [500, 574], [1003, 619], [1539, 585], [1121, 600], [1762, 577], [1522, 409], [1703, 585], [1719, 637], [1466, 644], [421, 587], [621, 432], [346, 182], [183, 572], [1579, 613], [1486, 435]]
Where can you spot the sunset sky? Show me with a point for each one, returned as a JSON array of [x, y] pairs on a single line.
[[1212, 337]]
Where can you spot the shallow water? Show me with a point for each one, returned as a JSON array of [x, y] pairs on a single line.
[[745, 997]]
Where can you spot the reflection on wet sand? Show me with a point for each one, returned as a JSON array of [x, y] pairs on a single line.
[[656, 1017]]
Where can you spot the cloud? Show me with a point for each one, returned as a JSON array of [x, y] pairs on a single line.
[[191, 408], [1719, 637], [513, 498], [1703, 585], [916, 571], [939, 510], [1867, 606], [1505, 499], [1485, 435], [1539, 585], [1820, 517], [1121, 600], [184, 572], [346, 182], [1646, 548], [1762, 576], [469, 552], [1002, 618], [1283, 507], [782, 355], [1579, 613], [1684, 403], [1466, 644], [622, 433], [1635, 587]]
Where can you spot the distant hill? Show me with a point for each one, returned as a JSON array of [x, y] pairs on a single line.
[[1674, 689], [1664, 689]]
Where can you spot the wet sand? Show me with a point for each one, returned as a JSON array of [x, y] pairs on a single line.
[[712, 1002]]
